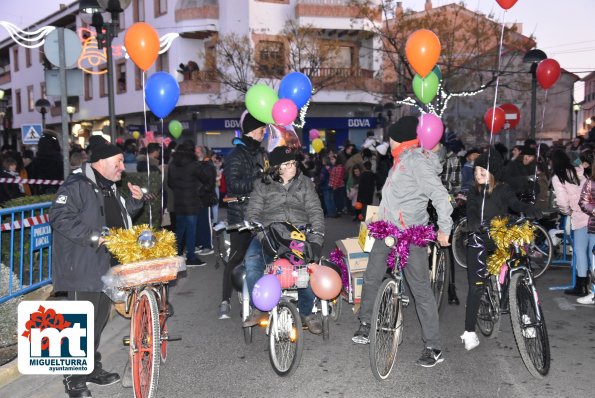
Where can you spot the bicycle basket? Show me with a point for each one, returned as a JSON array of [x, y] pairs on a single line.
[[283, 240], [297, 279], [144, 272]]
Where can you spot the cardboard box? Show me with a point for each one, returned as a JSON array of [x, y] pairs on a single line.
[[371, 214], [357, 283], [355, 258], [364, 240]]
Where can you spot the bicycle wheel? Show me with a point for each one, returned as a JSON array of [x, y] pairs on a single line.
[[286, 341], [163, 315], [145, 345], [540, 251], [528, 326], [488, 316], [335, 308], [386, 329], [460, 239], [439, 266]]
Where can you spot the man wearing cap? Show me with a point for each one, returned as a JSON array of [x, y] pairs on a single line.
[[520, 173], [85, 204], [411, 183], [245, 164]]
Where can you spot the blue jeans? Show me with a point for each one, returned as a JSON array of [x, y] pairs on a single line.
[[255, 262], [591, 247], [186, 228], [329, 202], [580, 243]]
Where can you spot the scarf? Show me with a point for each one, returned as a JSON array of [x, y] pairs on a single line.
[[398, 151]]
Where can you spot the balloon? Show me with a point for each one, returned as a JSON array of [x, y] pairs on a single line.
[[136, 135], [506, 4], [175, 128], [314, 134], [325, 282], [282, 136], [142, 44], [238, 274], [161, 94], [260, 100], [426, 89], [429, 130], [283, 270], [166, 141], [284, 112], [266, 293], [512, 115], [423, 50], [499, 117], [438, 72], [119, 140], [297, 87], [358, 206], [548, 73], [318, 145], [360, 217]]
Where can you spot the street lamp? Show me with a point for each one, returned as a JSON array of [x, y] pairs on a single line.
[[42, 106], [70, 110], [534, 57], [104, 40], [576, 108]]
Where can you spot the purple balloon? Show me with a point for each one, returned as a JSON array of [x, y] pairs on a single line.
[[266, 293], [429, 130]]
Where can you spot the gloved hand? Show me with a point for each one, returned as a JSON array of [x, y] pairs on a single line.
[[487, 242], [316, 251]]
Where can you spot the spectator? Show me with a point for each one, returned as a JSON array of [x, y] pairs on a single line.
[[515, 152], [8, 190], [467, 177], [153, 152], [520, 174], [337, 184], [352, 187], [367, 187], [325, 188], [77, 158], [48, 163]]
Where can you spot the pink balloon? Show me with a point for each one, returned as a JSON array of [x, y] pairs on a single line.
[[284, 112], [283, 270], [429, 130], [314, 134]]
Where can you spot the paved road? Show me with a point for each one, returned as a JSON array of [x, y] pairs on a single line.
[[213, 361]]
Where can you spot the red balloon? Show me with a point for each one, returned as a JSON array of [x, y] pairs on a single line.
[[325, 282], [506, 4], [513, 115], [498, 117], [283, 270], [548, 73]]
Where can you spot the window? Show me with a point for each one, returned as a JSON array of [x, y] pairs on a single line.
[[138, 10], [42, 90], [30, 100], [103, 89], [41, 55], [88, 86], [17, 100], [27, 57], [344, 57], [160, 7], [271, 57], [138, 76], [121, 76], [163, 62], [15, 59], [121, 22]]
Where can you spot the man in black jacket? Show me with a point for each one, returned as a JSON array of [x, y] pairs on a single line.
[[85, 204], [245, 163]]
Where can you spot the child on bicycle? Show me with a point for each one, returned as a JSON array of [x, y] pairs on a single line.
[[488, 198]]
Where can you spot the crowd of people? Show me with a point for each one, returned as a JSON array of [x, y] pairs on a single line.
[[289, 185]]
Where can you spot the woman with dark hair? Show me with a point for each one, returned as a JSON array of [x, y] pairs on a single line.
[[284, 194], [587, 205], [567, 182]]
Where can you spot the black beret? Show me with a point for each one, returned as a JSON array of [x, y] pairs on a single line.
[[405, 129], [104, 151], [281, 154], [496, 163], [249, 123]]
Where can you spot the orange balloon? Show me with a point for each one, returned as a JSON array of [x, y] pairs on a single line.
[[423, 51], [358, 206], [325, 282], [142, 44]]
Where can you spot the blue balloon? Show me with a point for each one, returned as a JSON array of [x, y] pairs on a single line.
[[161, 94], [297, 87]]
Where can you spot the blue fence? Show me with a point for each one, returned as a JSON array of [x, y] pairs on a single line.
[[25, 250]]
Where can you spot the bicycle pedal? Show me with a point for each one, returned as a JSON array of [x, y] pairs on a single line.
[[405, 301], [171, 338], [126, 340]]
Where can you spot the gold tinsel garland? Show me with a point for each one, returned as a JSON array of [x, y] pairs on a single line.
[[503, 236], [122, 243]]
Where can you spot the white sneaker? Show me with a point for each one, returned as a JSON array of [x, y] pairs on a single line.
[[530, 332], [470, 339], [588, 299]]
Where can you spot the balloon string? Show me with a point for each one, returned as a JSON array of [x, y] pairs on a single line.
[[162, 166], [539, 146], [483, 200], [147, 150]]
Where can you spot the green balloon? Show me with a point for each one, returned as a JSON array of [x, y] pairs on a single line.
[[259, 102], [426, 88], [175, 128]]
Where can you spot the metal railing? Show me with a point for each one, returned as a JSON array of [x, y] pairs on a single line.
[[326, 2], [25, 250], [338, 72]]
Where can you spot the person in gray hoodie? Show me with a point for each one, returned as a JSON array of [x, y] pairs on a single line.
[[413, 181]]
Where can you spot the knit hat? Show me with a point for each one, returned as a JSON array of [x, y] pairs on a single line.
[[527, 150], [281, 154], [405, 129], [95, 140], [104, 151], [249, 123], [496, 163]]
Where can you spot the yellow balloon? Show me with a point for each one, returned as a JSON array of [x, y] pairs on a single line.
[[318, 145], [136, 135]]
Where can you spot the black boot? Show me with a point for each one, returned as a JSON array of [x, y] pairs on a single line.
[[580, 287], [452, 294]]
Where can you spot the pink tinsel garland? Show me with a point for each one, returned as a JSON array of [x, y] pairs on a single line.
[[336, 257], [419, 235]]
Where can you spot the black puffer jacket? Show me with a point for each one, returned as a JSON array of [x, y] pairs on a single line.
[[185, 177], [242, 167]]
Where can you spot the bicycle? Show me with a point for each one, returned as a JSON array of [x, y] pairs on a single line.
[[514, 291], [439, 266], [541, 248], [144, 285]]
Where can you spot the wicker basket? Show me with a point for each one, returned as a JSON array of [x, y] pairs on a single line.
[[148, 271]]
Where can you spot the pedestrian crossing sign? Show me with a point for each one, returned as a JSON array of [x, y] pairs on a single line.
[[31, 133]]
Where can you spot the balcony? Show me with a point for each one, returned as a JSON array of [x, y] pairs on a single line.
[[344, 79], [197, 9], [327, 9], [5, 77], [199, 82]]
